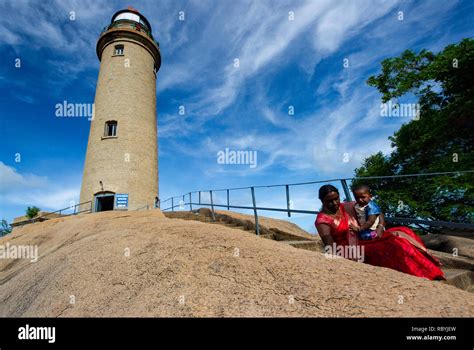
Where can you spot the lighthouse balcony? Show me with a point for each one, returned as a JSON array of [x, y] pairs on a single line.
[[130, 25]]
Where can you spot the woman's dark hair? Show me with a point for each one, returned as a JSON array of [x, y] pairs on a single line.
[[324, 190]]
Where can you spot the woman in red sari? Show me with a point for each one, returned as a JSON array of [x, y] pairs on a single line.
[[398, 248]]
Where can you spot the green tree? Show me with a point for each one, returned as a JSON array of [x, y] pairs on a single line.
[[31, 212], [440, 140], [4, 228]]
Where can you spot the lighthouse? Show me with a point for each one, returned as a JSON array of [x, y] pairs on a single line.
[[121, 164]]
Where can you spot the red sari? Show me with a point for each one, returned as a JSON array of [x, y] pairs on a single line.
[[399, 248]]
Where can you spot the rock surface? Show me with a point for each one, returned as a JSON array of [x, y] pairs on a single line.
[[446, 243], [143, 264]]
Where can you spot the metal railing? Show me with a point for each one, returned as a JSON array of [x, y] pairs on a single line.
[[129, 24], [58, 213], [288, 210]]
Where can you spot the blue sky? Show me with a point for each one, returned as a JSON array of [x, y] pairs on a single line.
[[290, 54]]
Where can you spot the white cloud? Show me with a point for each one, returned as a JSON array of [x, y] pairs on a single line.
[[263, 38], [346, 19], [11, 180], [315, 143], [269, 40], [30, 189]]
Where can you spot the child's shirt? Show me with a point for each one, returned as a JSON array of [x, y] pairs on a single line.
[[363, 213]]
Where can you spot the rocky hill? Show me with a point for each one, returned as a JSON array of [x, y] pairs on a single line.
[[145, 264]]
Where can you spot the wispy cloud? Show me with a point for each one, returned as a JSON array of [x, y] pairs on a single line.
[[336, 136], [29, 189]]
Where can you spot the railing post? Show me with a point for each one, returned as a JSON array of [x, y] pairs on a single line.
[[257, 229], [199, 197], [190, 202], [228, 204], [212, 208], [288, 200], [172, 204], [75, 209], [347, 193]]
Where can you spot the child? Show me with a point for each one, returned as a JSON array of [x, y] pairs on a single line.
[[369, 215]]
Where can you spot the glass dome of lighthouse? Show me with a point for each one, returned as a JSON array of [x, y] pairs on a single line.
[[131, 14]]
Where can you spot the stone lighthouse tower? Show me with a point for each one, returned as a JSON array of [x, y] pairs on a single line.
[[121, 166]]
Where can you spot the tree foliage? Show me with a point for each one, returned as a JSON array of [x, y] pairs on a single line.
[[31, 212], [441, 140], [4, 228]]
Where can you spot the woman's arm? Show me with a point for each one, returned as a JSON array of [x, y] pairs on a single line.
[[325, 233]]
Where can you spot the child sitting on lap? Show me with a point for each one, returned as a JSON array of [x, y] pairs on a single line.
[[369, 215]]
